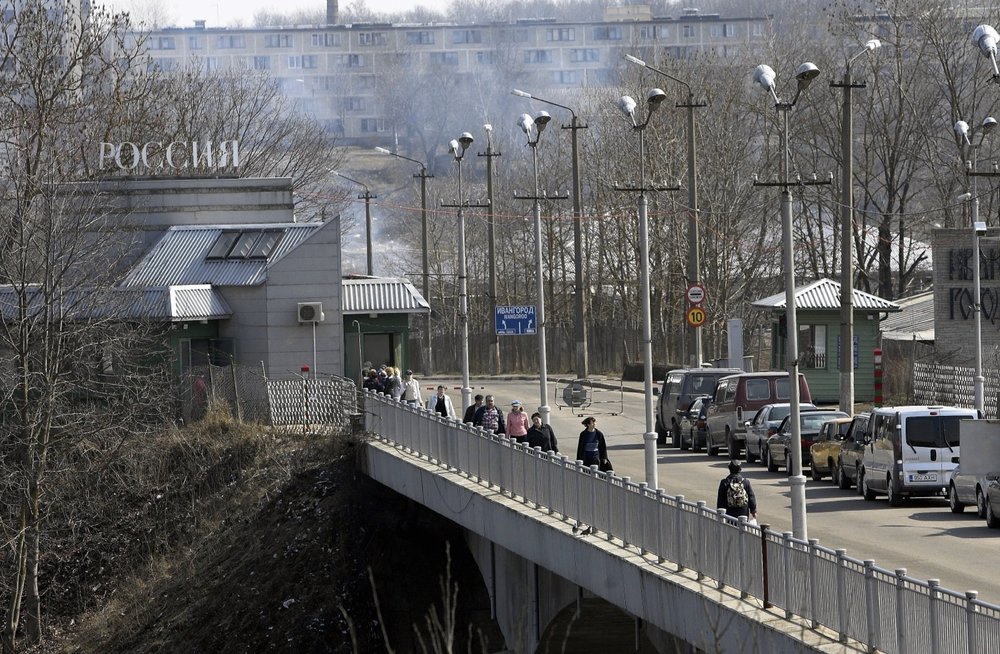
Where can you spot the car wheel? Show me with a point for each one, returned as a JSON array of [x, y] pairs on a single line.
[[953, 503], [675, 434], [980, 503], [866, 492], [661, 434], [735, 449], [751, 457], [843, 482], [768, 461], [992, 520], [858, 478], [695, 446], [895, 499], [711, 448], [814, 473], [684, 445], [788, 463]]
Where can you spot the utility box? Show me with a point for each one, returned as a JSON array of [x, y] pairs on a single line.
[[980, 443]]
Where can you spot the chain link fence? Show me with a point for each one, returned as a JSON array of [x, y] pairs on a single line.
[[935, 383]]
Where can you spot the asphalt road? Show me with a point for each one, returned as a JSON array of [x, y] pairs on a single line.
[[922, 536]]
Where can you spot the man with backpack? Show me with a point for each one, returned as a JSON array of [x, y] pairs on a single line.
[[736, 495]]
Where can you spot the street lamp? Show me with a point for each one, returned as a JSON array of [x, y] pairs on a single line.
[[962, 131], [847, 232], [764, 76], [987, 38], [694, 261], [367, 196], [582, 360], [457, 148], [537, 125], [429, 363], [654, 98]]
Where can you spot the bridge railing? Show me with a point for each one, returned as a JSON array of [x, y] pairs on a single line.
[[887, 610]]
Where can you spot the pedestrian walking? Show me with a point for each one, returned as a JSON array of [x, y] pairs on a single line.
[[489, 417], [592, 448], [517, 422], [393, 384], [736, 494], [411, 389], [470, 413], [441, 403], [540, 435]]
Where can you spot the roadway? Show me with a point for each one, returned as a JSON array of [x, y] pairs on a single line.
[[922, 536]]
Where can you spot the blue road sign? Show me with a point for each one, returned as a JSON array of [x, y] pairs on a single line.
[[516, 320]]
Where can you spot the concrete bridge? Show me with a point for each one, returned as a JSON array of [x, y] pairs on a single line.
[[546, 531]]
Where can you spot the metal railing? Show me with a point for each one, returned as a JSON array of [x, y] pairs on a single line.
[[887, 610]]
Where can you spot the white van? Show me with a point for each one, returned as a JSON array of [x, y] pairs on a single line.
[[911, 451]]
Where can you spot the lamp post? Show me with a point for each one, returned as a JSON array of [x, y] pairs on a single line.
[[694, 246], [582, 364], [426, 288], [367, 196], [962, 131], [491, 239], [764, 76], [457, 148], [847, 232], [654, 98], [986, 38], [537, 125]]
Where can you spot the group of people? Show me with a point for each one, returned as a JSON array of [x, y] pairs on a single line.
[[386, 379], [484, 412]]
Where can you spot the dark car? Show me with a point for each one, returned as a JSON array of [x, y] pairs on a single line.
[[765, 424], [848, 463], [693, 434], [777, 449]]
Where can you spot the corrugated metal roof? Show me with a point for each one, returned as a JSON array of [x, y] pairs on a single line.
[[915, 321], [382, 295], [824, 294], [175, 304], [179, 257]]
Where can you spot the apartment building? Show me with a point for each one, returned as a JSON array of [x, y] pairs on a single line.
[[333, 71]]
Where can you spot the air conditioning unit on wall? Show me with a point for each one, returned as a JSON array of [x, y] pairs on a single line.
[[311, 312]]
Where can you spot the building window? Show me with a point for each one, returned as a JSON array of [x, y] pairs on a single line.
[[245, 244], [444, 58], [564, 77], [195, 43], [352, 103], [608, 33], [211, 63], [688, 31], [162, 43], [486, 57], [466, 36], [513, 36], [812, 346], [560, 34], [302, 61], [419, 38], [583, 55], [261, 63], [371, 125], [648, 32], [163, 64], [325, 40], [351, 61], [364, 82], [538, 57], [371, 38], [230, 41], [277, 40]]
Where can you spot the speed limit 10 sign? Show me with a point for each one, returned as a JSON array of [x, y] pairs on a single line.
[[696, 316], [695, 293]]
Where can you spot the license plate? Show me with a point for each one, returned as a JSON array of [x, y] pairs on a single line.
[[930, 476]]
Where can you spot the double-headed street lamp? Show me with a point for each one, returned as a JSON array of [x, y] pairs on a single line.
[[536, 126], [764, 76], [963, 132], [582, 360], [654, 98], [847, 232], [367, 196], [694, 261], [457, 148], [424, 176]]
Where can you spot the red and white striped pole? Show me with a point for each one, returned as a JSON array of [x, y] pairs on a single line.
[[877, 400]]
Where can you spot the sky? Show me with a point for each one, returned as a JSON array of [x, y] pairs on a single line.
[[227, 12]]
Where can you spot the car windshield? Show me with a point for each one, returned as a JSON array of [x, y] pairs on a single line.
[[813, 420], [933, 431], [703, 384]]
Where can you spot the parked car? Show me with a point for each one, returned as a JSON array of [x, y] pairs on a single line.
[[680, 387], [765, 424], [848, 463], [912, 451], [693, 424], [967, 490], [738, 397], [777, 449], [825, 449]]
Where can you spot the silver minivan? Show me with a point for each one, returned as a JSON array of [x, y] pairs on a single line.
[[679, 389], [911, 451]]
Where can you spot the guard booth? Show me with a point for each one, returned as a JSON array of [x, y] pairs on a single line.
[[377, 314], [818, 313]]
